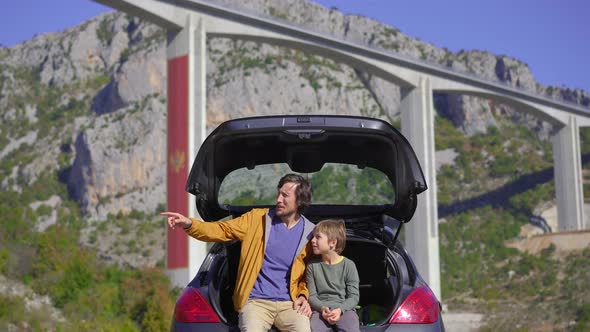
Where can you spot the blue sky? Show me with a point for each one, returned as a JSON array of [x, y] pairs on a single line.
[[551, 36]]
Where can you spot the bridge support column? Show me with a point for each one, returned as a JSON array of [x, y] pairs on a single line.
[[568, 177], [422, 232], [186, 56]]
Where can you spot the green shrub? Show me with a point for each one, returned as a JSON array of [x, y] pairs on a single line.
[[104, 32], [158, 311], [504, 166], [582, 318], [4, 257], [76, 278], [12, 309], [528, 200], [121, 324]]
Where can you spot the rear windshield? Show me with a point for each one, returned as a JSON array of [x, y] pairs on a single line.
[[333, 184]]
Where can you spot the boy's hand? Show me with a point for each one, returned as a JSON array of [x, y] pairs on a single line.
[[177, 219], [334, 316], [326, 314], [331, 316]]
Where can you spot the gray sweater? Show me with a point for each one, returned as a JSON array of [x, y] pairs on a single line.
[[334, 286]]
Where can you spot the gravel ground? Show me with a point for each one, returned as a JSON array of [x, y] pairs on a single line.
[[462, 321]]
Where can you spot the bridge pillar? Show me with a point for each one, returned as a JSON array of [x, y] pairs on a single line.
[[568, 177], [421, 236], [186, 56]]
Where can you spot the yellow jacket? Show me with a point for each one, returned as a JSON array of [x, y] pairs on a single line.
[[252, 229]]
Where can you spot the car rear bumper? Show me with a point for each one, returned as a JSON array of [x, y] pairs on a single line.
[[219, 327]]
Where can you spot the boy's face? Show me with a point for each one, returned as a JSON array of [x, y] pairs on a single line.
[[320, 244]]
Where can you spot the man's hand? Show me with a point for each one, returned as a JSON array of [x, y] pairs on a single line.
[[302, 306], [177, 219]]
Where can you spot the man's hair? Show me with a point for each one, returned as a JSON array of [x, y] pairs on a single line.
[[303, 191], [334, 229]]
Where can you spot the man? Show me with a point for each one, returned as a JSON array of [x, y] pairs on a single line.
[[270, 286]]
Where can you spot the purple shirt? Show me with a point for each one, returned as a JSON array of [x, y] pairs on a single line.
[[273, 280]]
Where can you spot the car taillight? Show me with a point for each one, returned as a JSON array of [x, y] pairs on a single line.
[[420, 307], [191, 307]]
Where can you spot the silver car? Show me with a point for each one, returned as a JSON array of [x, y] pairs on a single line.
[[363, 171]]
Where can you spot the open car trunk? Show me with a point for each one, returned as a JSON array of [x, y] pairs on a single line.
[[306, 144], [379, 286]]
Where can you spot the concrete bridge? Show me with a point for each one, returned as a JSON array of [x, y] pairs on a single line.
[[190, 22]]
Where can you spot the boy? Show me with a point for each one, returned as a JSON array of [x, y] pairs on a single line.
[[332, 280]]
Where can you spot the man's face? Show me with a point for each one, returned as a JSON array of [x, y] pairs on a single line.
[[286, 200]]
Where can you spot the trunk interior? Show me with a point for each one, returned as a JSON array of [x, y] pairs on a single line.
[[379, 282]]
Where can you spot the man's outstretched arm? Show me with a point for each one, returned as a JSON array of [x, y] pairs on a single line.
[[177, 219], [217, 231]]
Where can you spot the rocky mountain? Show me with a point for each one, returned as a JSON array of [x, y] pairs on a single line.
[[89, 102]]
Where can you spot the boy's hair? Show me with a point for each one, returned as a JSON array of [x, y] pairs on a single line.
[[334, 229]]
